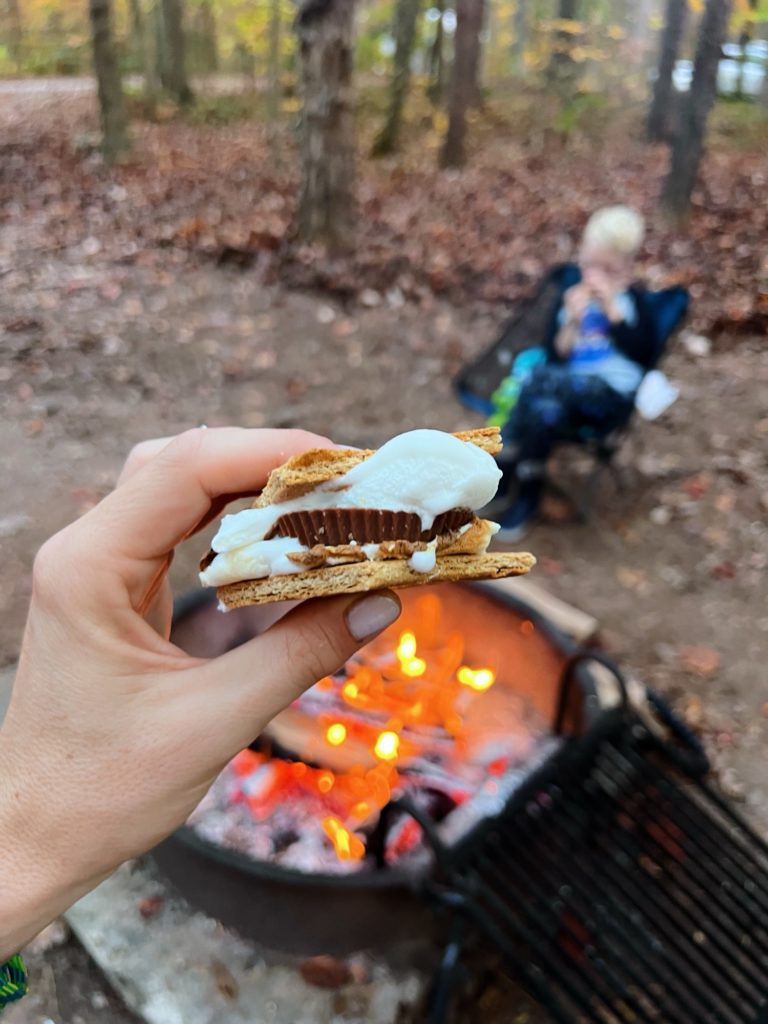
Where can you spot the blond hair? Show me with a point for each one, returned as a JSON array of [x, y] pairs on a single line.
[[615, 227]]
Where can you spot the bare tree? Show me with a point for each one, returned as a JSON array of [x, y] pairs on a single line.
[[436, 59], [469, 21], [406, 16], [143, 46], [475, 90], [173, 71], [110, 87], [659, 115], [209, 50], [273, 97], [560, 71], [326, 203], [519, 34], [689, 141]]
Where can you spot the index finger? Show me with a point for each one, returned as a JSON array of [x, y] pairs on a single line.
[[166, 499]]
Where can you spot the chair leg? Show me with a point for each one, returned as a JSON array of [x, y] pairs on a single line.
[[447, 974]]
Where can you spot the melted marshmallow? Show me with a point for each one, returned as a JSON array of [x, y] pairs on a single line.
[[425, 472]]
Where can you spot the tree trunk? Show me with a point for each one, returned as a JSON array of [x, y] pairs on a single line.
[[174, 69], [209, 50], [475, 90], [659, 120], [273, 98], [689, 141], [560, 71], [14, 32], [110, 87], [469, 14], [519, 35], [142, 44], [436, 61], [326, 203], [406, 16]]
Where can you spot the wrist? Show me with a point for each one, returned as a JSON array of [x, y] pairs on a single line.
[[38, 883]]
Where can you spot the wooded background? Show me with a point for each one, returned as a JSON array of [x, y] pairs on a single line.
[[327, 59]]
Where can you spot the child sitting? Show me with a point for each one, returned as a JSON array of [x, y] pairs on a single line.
[[601, 344]]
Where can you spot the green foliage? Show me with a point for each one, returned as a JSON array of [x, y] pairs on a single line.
[[579, 112], [222, 110], [740, 125]]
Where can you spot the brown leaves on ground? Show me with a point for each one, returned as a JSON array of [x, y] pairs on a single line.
[[699, 659], [204, 192]]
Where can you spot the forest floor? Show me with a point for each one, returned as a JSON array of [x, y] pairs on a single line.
[[117, 323]]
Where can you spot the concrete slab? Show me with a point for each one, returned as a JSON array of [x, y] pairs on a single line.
[[174, 965]]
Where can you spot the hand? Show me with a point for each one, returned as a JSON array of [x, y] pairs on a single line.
[[603, 287], [113, 734], [576, 300]]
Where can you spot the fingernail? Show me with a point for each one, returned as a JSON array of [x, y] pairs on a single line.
[[370, 614]]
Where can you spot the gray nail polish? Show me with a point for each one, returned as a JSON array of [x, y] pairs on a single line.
[[370, 614]]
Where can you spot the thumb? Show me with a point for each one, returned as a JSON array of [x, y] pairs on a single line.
[[262, 677]]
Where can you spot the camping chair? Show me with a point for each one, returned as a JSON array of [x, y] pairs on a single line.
[[529, 326]]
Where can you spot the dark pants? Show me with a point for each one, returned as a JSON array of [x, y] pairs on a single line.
[[556, 405]]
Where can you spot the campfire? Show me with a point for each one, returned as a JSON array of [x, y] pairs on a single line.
[[434, 708]]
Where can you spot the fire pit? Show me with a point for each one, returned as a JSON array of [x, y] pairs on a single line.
[[451, 708], [462, 774]]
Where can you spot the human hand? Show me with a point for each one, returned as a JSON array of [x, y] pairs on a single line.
[[603, 287], [576, 299], [113, 734]]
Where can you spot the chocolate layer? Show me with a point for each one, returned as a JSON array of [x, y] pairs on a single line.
[[332, 526]]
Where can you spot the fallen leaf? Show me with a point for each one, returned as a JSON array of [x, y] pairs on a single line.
[[34, 427], [225, 980], [633, 579], [724, 503], [695, 487], [150, 906], [325, 972], [723, 571], [700, 659]]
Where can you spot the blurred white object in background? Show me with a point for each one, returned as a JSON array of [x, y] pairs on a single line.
[[655, 395], [740, 72]]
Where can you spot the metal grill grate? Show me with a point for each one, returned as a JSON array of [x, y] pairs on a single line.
[[616, 884], [618, 892]]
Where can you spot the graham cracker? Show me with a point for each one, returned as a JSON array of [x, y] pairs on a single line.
[[303, 472], [372, 575]]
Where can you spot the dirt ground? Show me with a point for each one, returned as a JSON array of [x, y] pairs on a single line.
[[94, 358]]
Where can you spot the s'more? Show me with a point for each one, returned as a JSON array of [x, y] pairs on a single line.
[[339, 521]]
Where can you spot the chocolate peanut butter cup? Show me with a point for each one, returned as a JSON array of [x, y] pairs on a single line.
[[332, 526]]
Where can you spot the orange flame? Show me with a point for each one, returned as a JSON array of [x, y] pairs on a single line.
[[478, 679], [387, 745], [336, 734], [412, 681], [346, 844], [325, 781], [410, 665]]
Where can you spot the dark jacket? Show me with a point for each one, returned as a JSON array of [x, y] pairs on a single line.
[[639, 343]]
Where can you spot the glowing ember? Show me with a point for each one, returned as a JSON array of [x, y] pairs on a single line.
[[476, 679], [410, 665], [350, 691], [325, 781], [336, 734], [387, 746], [406, 649], [406, 715], [346, 844]]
